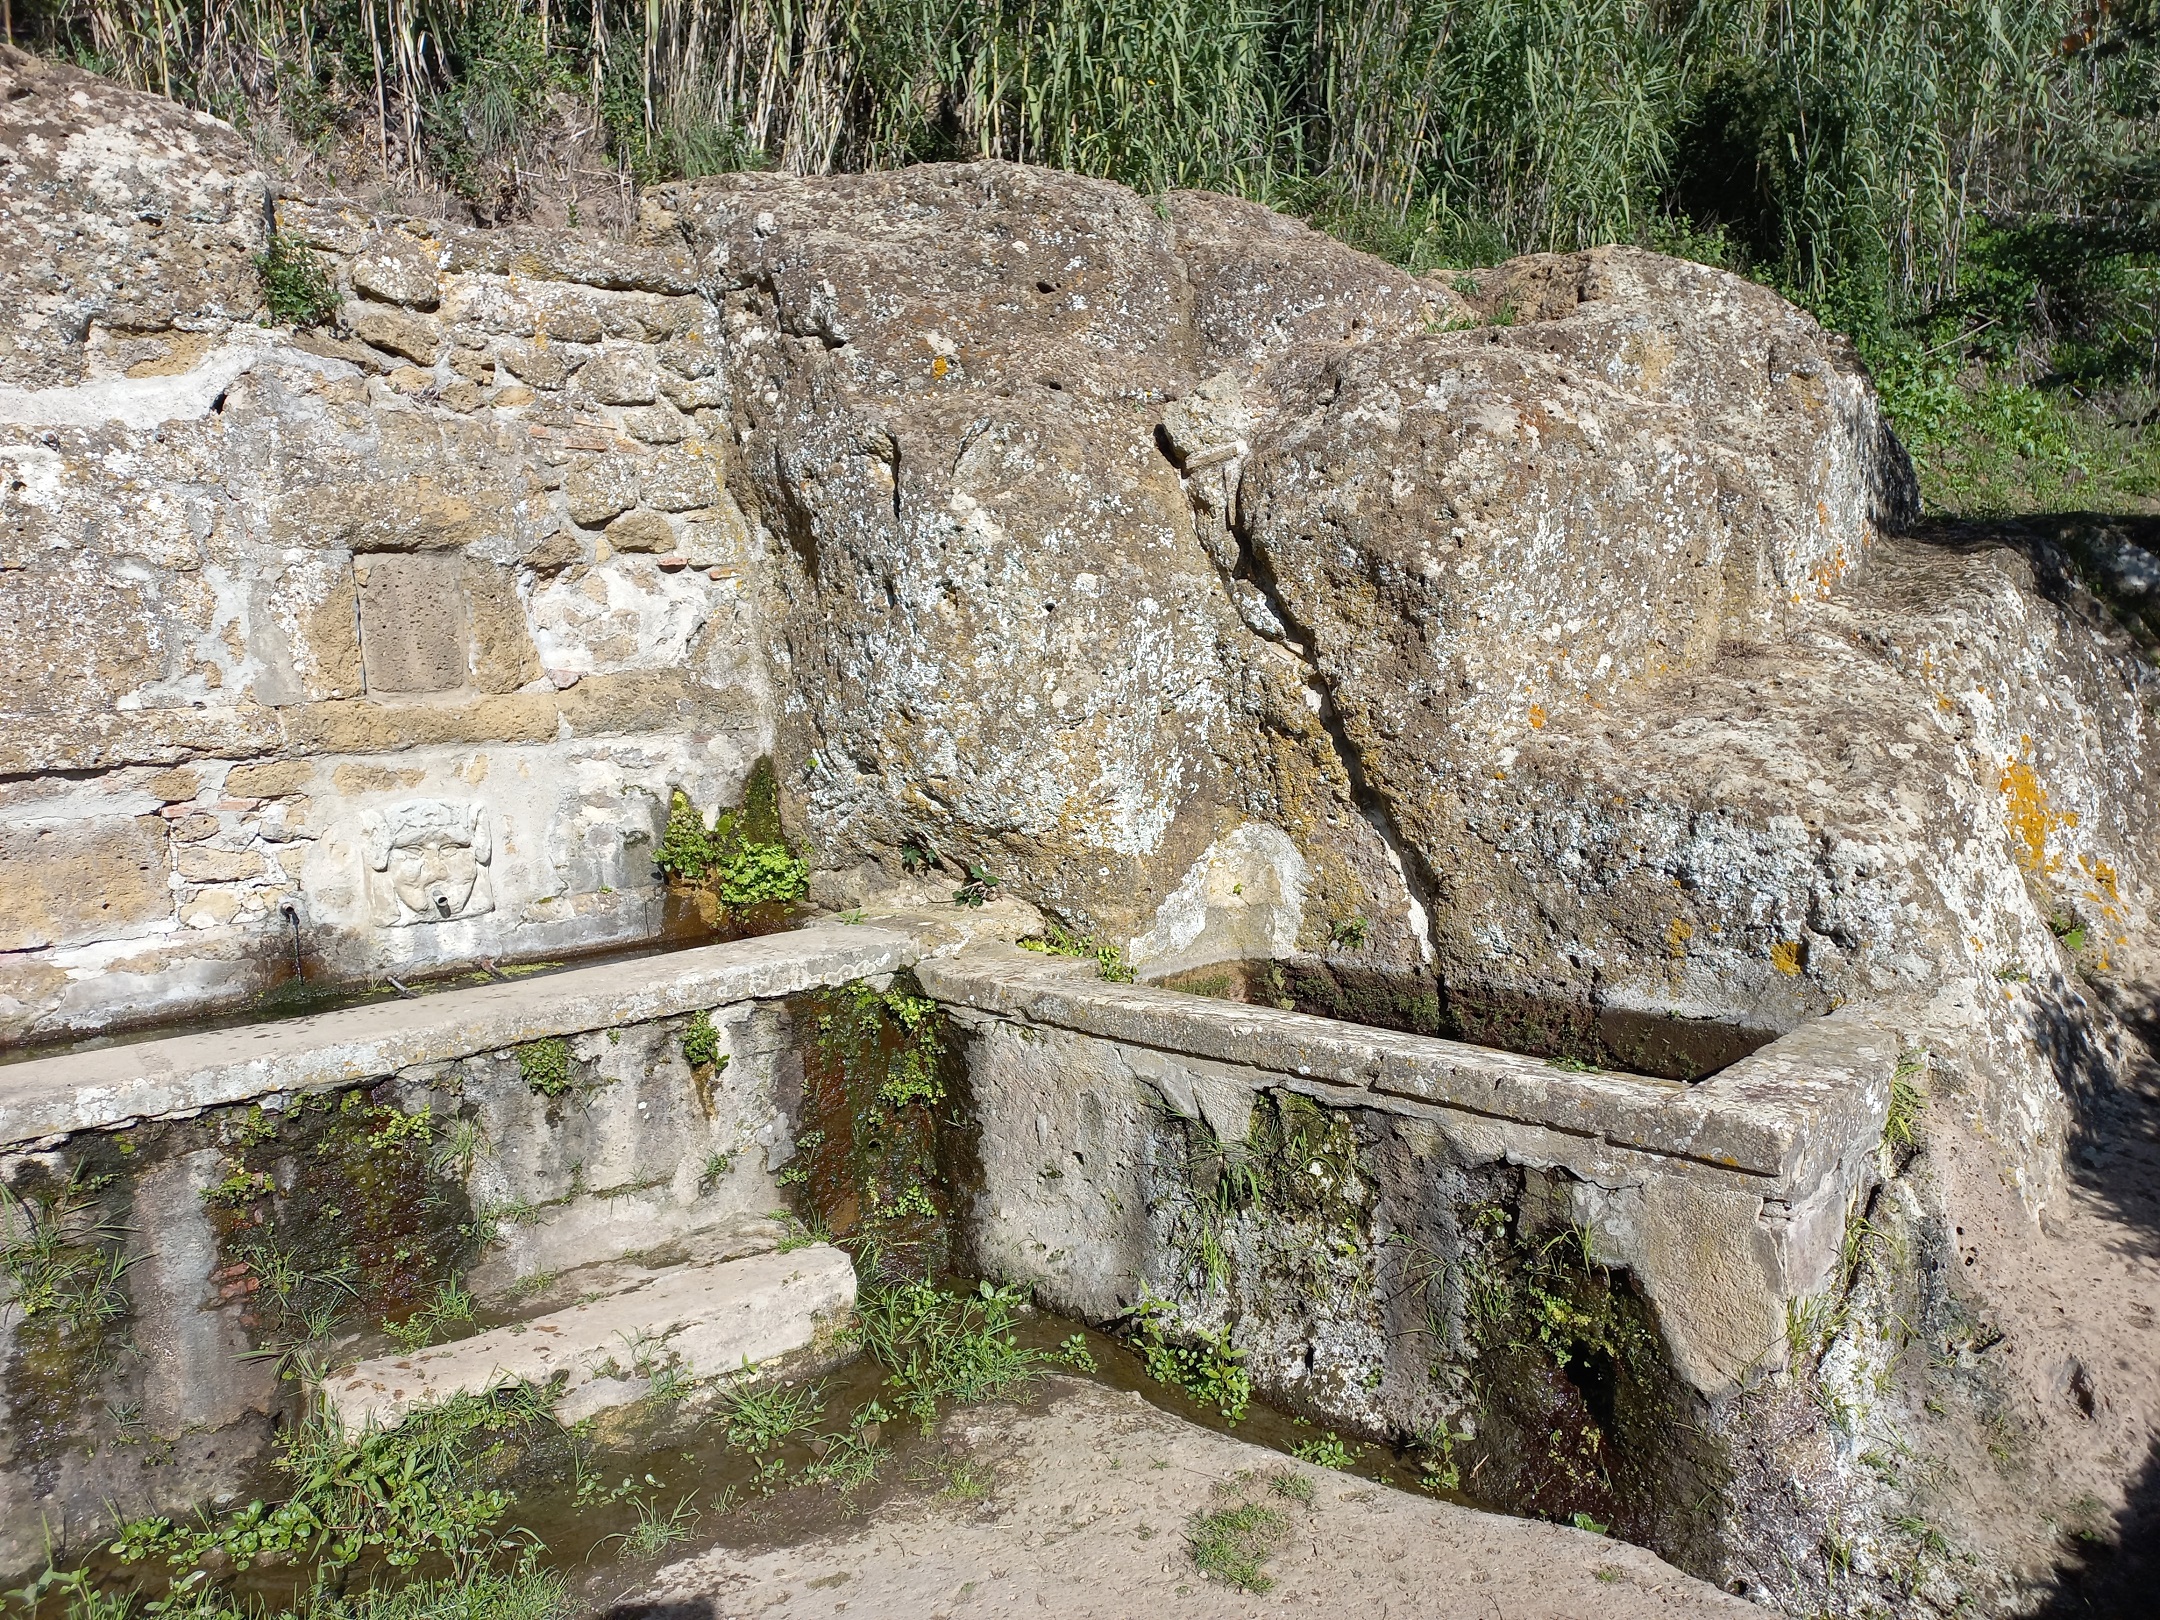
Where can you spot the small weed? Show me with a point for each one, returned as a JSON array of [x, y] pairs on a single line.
[[1608, 1575], [456, 1147], [1058, 940], [1328, 1451], [238, 1188], [544, 1066], [655, 1531], [1583, 1521], [62, 1256], [1231, 1543], [701, 1043], [451, 1306], [1074, 1353], [762, 1417], [1571, 1065], [717, 1165], [295, 285], [1291, 1485], [1211, 1369], [979, 888], [1350, 934], [1901, 1125], [848, 1463], [967, 1480]]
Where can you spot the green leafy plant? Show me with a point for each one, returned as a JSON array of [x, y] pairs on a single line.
[[1209, 1368], [296, 287], [545, 1067], [701, 1042], [943, 1345], [761, 1417], [1350, 934], [1328, 1451], [742, 855], [1057, 940], [977, 890], [400, 1495]]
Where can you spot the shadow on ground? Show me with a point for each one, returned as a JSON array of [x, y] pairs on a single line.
[[2112, 1571]]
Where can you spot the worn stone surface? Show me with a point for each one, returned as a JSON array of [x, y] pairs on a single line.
[[703, 1320], [1085, 1503]]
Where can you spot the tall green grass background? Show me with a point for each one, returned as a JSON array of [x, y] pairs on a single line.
[[1968, 187]]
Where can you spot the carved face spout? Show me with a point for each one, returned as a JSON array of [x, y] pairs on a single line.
[[435, 877], [428, 861]]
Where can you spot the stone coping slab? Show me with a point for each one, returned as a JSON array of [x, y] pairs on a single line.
[[115, 1085], [1787, 1113]]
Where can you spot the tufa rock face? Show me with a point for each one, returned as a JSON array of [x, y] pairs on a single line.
[[1223, 590]]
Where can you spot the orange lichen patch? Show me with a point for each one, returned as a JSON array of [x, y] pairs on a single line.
[[1830, 570], [2103, 891], [1785, 957], [1537, 717], [940, 366], [2028, 814], [1677, 933]]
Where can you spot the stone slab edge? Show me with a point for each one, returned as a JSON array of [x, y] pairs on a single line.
[[1788, 1113], [116, 1085]]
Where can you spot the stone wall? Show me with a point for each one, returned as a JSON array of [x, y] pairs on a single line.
[[378, 651], [408, 1146]]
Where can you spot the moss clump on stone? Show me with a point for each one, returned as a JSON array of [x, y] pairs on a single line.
[[880, 1140], [701, 1042]]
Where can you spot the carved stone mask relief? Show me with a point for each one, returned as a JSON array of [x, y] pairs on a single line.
[[427, 862]]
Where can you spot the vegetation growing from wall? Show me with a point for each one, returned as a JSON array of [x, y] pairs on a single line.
[[339, 1210], [1578, 1416], [883, 1150], [742, 859], [1967, 186], [64, 1255]]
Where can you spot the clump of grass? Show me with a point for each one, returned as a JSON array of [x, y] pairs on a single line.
[[763, 1417], [1231, 1543], [943, 1345], [1901, 1125], [62, 1256]]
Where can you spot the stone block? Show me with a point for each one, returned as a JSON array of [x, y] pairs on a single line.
[[533, 363], [417, 337], [274, 779], [680, 480], [641, 531], [705, 1321], [412, 635], [618, 378], [394, 269], [596, 490], [204, 863], [83, 881]]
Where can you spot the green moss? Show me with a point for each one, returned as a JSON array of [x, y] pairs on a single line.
[[879, 1144]]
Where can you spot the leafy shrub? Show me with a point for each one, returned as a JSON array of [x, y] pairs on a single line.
[[1211, 1369], [295, 286]]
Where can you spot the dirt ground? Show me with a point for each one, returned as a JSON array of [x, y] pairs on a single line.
[[1084, 1507]]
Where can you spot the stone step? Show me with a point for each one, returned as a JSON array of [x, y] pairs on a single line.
[[701, 1320]]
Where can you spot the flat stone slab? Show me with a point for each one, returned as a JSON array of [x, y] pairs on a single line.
[[111, 1085], [703, 1320], [1081, 1509]]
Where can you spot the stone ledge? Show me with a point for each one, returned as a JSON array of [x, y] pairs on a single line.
[[1788, 1114], [113, 1085]]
